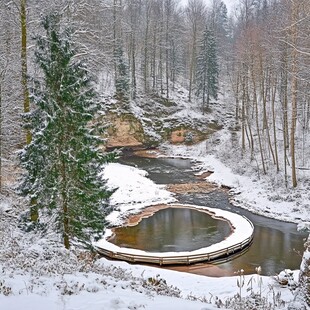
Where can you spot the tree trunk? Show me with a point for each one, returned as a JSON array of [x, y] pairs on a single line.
[[250, 137], [284, 99], [173, 65], [1, 120], [114, 39], [133, 21], [34, 215], [273, 99], [64, 200], [23, 19], [161, 69], [265, 86], [133, 70], [294, 92], [153, 63], [204, 92], [257, 124], [146, 58], [237, 98], [192, 65], [243, 104], [168, 9]]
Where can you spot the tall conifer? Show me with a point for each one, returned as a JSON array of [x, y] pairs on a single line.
[[207, 69], [62, 162]]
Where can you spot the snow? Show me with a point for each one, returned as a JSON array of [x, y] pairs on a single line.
[[5, 206], [303, 226], [134, 190], [83, 292], [129, 291], [115, 284], [306, 258]]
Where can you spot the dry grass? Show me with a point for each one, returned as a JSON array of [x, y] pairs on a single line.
[[187, 188]]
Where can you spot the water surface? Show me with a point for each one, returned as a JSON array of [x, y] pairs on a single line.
[[173, 229], [276, 246]]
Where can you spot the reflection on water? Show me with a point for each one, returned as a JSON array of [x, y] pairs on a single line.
[[173, 229], [276, 244]]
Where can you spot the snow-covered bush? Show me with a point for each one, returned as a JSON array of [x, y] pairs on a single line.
[[304, 278], [4, 289], [251, 295], [161, 287]]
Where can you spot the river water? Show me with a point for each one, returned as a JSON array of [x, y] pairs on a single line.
[[276, 246], [173, 229]]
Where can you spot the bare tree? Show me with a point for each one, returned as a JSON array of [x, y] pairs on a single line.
[[196, 15]]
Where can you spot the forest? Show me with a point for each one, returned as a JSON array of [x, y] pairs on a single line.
[[260, 52], [67, 67]]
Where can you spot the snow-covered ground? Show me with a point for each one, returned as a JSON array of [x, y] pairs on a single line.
[[129, 287], [36, 274]]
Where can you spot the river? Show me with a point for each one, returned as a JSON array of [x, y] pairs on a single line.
[[277, 245]]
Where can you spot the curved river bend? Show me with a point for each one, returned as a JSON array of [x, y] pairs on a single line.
[[277, 245]]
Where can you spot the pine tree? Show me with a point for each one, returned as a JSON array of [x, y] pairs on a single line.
[[62, 162], [207, 69]]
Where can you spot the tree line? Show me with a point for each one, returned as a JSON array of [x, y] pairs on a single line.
[[270, 79]]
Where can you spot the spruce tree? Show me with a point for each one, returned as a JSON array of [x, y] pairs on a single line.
[[207, 69], [63, 162], [122, 75]]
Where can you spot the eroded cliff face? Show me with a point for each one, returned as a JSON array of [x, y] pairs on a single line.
[[185, 136], [124, 131], [127, 131], [190, 135]]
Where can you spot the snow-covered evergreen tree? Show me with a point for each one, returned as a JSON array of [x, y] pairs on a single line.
[[63, 162], [122, 75], [219, 19], [207, 69]]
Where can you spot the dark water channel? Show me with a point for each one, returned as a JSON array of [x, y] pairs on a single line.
[[277, 245]]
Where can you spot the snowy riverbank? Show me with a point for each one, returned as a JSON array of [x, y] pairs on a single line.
[[33, 272]]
